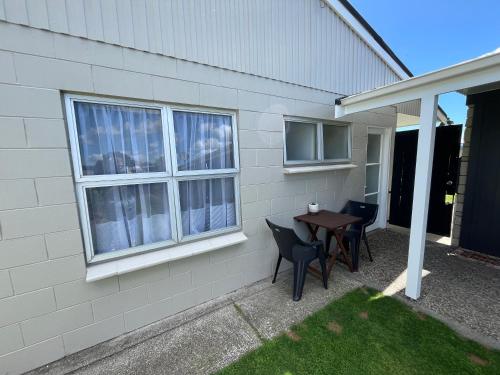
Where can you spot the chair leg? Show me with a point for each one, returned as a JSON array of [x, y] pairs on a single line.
[[277, 268], [354, 244], [365, 239], [324, 273], [328, 241], [299, 277]]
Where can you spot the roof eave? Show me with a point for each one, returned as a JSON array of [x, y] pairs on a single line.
[[479, 71]]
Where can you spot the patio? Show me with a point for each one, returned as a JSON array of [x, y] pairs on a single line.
[[463, 292], [208, 337]]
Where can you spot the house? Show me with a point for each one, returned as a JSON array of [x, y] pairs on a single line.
[[142, 143]]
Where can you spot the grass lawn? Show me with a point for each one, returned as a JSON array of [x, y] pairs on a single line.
[[367, 333]]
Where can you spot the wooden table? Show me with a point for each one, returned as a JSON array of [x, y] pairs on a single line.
[[334, 223]]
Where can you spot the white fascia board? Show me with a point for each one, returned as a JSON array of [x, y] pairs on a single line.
[[441, 116], [480, 71], [338, 8]]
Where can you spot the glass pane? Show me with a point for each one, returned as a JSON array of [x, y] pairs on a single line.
[[203, 141], [301, 139], [207, 204], [117, 139], [372, 199], [129, 215], [335, 142], [373, 149], [372, 178]]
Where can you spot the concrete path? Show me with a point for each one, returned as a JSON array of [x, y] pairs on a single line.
[[206, 338]]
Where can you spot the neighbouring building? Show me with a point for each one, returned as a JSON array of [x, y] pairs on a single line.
[[142, 144], [479, 188]]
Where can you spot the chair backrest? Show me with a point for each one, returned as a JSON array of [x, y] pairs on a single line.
[[285, 239], [366, 211]]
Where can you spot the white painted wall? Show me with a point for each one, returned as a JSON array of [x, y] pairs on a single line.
[[298, 41], [47, 310]]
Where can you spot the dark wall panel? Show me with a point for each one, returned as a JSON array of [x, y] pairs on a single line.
[[481, 215]]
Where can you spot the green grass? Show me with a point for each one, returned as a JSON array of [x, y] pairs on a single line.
[[391, 339]]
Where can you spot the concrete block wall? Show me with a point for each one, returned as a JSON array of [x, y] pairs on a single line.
[[462, 180], [47, 310]]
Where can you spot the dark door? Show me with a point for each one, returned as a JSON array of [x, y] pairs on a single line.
[[444, 178], [403, 176], [481, 214]]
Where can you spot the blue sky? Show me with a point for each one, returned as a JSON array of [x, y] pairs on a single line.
[[428, 35]]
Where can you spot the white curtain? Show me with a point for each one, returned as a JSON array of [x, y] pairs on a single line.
[[207, 204], [203, 141], [119, 139], [129, 215]]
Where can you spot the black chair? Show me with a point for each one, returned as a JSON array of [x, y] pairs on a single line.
[[300, 253], [357, 232]]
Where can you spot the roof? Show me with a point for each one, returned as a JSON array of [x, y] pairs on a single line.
[[375, 35], [472, 76], [441, 113]]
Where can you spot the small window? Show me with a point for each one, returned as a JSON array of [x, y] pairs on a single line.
[[149, 176], [301, 141], [373, 150], [308, 142], [335, 142]]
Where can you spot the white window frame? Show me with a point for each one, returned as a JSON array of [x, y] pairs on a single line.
[[217, 232], [171, 176], [319, 142], [173, 149], [86, 229], [75, 145]]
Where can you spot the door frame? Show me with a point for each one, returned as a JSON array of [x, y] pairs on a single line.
[[384, 173]]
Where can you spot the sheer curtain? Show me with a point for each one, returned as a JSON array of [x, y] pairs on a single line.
[[205, 142], [123, 140], [119, 139], [207, 204], [128, 215]]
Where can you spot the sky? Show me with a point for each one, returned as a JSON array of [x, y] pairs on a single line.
[[431, 34]]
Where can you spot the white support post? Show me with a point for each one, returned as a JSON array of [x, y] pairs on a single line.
[[422, 186]]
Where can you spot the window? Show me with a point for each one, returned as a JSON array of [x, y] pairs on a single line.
[[150, 176], [311, 142], [336, 141], [373, 164], [301, 141]]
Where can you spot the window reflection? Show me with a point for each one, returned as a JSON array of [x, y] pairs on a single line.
[[117, 139]]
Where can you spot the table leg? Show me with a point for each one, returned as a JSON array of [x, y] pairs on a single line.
[[314, 232], [313, 229], [330, 263], [339, 236]]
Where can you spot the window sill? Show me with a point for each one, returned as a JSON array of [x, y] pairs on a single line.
[[141, 261], [317, 168]]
